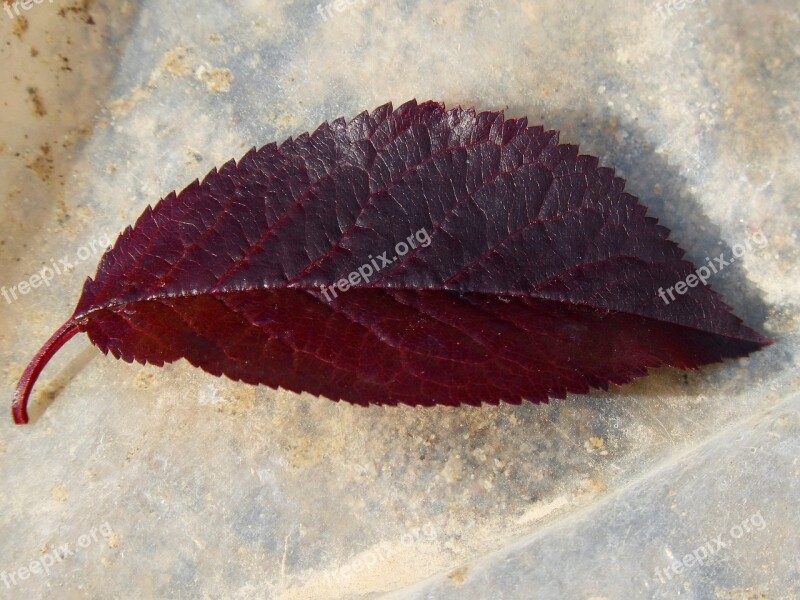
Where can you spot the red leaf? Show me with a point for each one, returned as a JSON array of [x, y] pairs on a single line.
[[528, 274]]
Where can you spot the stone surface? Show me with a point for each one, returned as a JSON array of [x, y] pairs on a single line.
[[170, 483]]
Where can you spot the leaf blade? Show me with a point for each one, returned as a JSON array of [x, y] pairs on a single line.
[[515, 223]]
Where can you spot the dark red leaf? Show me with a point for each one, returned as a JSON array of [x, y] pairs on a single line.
[[529, 272]]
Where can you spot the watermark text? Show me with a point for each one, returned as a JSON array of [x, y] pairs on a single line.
[[42, 565], [367, 270], [48, 272], [699, 555], [712, 266], [19, 4]]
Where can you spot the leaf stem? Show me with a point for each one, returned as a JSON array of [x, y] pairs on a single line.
[[19, 407]]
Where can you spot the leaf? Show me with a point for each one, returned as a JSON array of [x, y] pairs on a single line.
[[504, 266]]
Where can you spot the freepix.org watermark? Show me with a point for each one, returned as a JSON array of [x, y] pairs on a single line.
[[43, 564], [699, 555], [712, 266], [326, 11], [368, 560], [13, 8], [665, 9], [47, 273], [367, 270]]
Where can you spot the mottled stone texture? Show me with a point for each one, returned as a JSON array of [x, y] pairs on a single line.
[[170, 483]]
